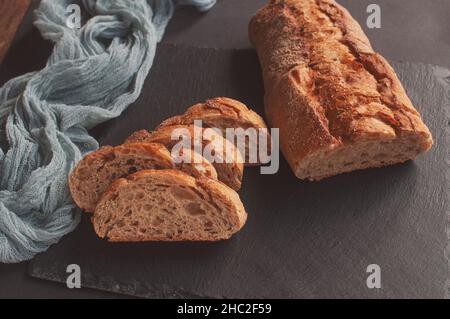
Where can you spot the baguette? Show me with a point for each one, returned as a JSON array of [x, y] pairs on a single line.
[[230, 172], [95, 173], [168, 205], [339, 105], [224, 113]]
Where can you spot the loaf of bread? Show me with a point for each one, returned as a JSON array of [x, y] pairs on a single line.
[[229, 167], [339, 105], [168, 205], [95, 173], [225, 113]]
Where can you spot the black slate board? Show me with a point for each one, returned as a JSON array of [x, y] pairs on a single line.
[[302, 239]]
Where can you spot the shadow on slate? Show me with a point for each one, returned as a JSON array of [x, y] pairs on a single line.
[[302, 239]]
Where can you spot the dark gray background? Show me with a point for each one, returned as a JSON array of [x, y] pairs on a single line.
[[413, 30]]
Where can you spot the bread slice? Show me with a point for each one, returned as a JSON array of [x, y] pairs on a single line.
[[95, 173], [229, 171], [198, 165], [338, 104], [223, 113], [168, 205]]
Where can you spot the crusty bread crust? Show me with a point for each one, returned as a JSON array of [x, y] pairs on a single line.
[[199, 166], [94, 174], [231, 173], [114, 222], [138, 137], [326, 89], [222, 113]]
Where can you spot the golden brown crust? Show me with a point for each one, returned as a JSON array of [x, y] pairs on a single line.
[[199, 166], [325, 86], [231, 172], [222, 113], [138, 137]]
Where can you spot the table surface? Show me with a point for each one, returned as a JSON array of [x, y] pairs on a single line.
[[412, 30]]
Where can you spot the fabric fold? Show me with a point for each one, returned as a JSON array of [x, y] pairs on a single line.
[[92, 76]]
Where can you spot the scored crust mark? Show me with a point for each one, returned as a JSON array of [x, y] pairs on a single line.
[[168, 205], [216, 112], [95, 173], [229, 166], [223, 113], [138, 137], [387, 84], [330, 93]]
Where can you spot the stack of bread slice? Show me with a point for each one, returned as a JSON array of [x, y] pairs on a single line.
[[142, 191]]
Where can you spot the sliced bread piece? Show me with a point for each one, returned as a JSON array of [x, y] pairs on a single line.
[[168, 205], [95, 173], [197, 166], [229, 166], [223, 113]]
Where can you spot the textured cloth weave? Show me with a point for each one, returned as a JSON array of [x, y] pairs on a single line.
[[94, 73]]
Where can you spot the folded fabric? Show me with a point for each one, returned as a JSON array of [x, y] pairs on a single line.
[[94, 73]]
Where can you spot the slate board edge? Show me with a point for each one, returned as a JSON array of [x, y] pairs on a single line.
[[169, 292], [139, 290], [153, 291]]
